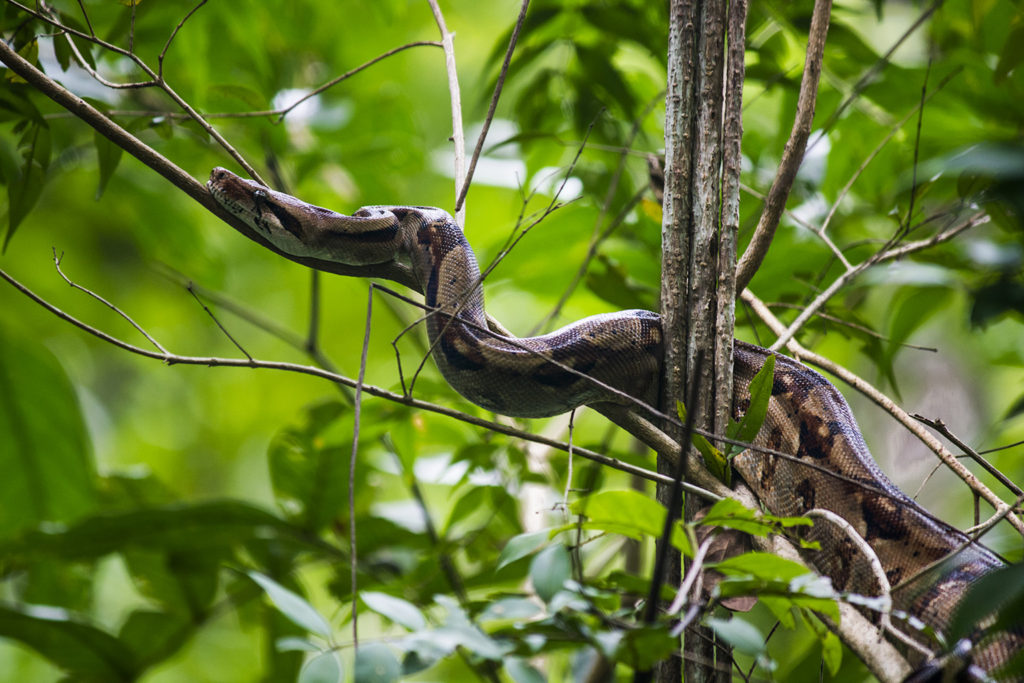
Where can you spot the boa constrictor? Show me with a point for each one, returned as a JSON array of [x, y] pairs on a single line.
[[554, 373]]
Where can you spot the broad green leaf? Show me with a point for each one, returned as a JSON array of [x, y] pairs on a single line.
[[171, 527], [739, 633], [550, 570], [376, 663], [180, 581], [521, 671], [23, 191], [84, 651], [762, 565], [522, 545], [48, 473], [714, 459], [295, 644], [509, 608], [324, 668], [108, 155], [630, 513], [155, 636], [402, 612], [760, 393], [309, 466], [733, 514], [293, 606]]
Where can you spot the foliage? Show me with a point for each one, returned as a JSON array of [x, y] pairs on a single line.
[[181, 523]]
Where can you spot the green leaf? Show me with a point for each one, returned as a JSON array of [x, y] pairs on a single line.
[[45, 454], [714, 460], [747, 428], [23, 190], [550, 570], [733, 514], [172, 527], [1012, 54], [309, 466], [293, 606], [831, 651], [108, 155], [521, 545], [376, 663], [762, 565], [84, 651], [521, 671], [739, 633], [631, 514], [295, 644], [402, 612], [509, 608], [324, 668], [155, 636]]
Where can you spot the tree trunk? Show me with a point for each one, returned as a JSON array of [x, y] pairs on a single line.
[[698, 254]]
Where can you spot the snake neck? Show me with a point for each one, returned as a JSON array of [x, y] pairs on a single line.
[[446, 268]]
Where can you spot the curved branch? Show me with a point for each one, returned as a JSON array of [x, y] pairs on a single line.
[[793, 153], [890, 406], [173, 173]]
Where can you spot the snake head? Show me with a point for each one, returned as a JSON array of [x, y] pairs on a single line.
[[282, 219]]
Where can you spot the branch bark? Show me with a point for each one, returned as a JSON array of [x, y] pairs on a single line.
[[793, 153], [174, 174]]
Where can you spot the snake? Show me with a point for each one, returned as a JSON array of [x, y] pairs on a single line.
[[615, 359]]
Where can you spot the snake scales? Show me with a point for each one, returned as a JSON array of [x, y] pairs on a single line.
[[554, 373]]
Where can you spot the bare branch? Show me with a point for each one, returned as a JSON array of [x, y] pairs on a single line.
[[115, 309], [876, 258], [175, 359], [941, 428], [887, 404], [793, 153], [492, 107], [218, 324], [458, 135], [170, 171], [170, 38], [284, 111]]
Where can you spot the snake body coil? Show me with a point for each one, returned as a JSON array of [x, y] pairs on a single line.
[[554, 373]]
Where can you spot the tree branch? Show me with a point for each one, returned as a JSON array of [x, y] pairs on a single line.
[[178, 177], [793, 153], [458, 135], [887, 404]]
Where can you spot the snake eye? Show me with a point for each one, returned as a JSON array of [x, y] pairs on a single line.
[[259, 195]]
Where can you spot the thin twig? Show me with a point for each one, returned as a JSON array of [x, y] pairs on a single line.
[[170, 38], [793, 152], [175, 359], [284, 111], [884, 588], [887, 404], [893, 130], [458, 135], [940, 426], [696, 567], [353, 457], [461, 198], [869, 75], [171, 172], [115, 309], [218, 323], [876, 258]]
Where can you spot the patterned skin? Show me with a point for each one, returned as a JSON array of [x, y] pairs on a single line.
[[615, 358]]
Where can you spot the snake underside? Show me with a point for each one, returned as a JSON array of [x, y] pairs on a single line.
[[616, 358]]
